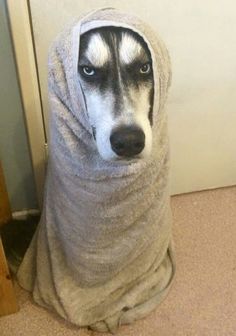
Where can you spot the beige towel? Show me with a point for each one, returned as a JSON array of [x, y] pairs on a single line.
[[102, 255]]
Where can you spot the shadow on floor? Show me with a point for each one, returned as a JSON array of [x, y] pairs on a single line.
[[16, 237]]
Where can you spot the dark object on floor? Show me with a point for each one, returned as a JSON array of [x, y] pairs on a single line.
[[16, 237]]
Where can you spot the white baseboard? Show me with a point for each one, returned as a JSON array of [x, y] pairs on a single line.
[[23, 214]]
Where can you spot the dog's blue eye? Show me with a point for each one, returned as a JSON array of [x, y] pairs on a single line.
[[88, 71], [145, 69]]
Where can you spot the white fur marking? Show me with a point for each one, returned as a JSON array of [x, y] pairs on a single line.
[[100, 109], [98, 51], [130, 49]]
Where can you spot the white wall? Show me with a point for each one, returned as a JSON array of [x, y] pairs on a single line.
[[201, 38], [14, 150]]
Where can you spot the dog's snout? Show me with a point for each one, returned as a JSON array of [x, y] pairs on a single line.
[[127, 141]]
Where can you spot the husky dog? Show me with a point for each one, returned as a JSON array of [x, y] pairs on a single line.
[[115, 69]]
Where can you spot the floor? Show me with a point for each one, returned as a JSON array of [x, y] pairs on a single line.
[[202, 301]]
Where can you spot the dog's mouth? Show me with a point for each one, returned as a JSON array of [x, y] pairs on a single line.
[[125, 160]]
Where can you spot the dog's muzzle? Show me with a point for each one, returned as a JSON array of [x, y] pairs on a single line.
[[127, 141]]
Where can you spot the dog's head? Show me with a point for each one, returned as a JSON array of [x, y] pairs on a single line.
[[115, 70]]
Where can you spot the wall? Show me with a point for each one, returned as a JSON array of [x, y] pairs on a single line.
[[200, 36], [14, 150]]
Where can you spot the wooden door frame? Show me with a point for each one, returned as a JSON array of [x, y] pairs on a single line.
[[26, 64], [8, 304]]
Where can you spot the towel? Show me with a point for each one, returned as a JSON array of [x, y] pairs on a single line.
[[102, 255]]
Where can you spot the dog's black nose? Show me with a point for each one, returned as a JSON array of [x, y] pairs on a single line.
[[127, 141]]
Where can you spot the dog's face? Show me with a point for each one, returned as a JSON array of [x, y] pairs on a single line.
[[115, 70]]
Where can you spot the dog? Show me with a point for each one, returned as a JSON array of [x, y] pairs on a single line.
[[116, 75], [103, 255]]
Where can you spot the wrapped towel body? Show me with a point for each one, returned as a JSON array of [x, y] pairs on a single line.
[[102, 255]]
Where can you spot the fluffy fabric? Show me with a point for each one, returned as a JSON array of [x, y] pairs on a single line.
[[102, 255]]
